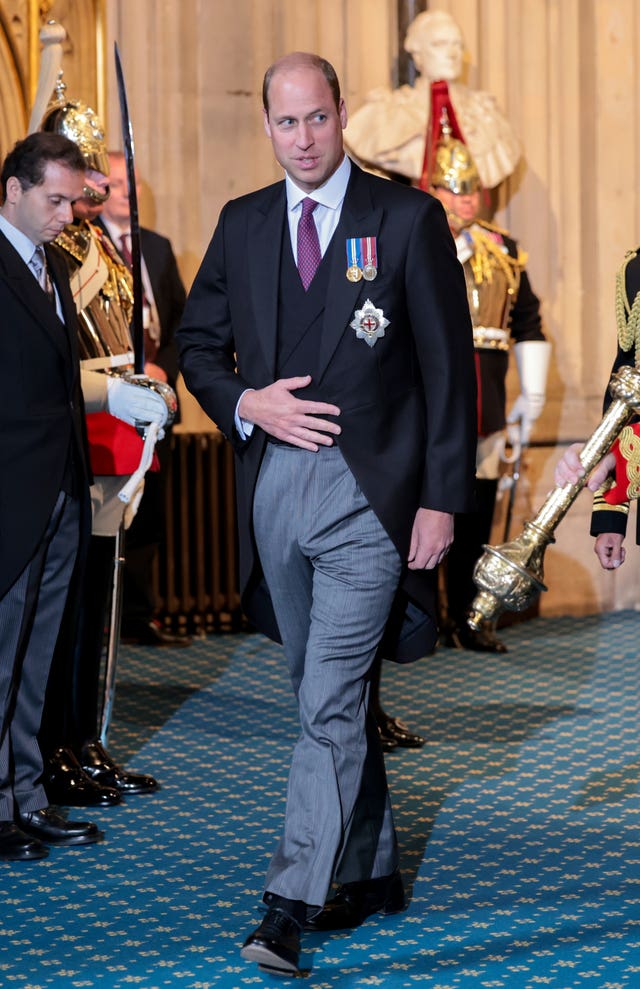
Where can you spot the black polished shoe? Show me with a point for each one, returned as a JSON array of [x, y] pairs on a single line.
[[50, 826], [387, 743], [66, 783], [275, 944], [396, 731], [153, 634], [354, 902], [98, 764], [16, 846]]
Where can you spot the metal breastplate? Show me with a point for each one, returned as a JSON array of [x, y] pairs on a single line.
[[492, 280], [490, 304], [102, 289]]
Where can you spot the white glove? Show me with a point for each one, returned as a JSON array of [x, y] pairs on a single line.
[[524, 412], [135, 404], [532, 360]]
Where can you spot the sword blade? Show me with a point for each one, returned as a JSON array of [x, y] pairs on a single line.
[[137, 324]]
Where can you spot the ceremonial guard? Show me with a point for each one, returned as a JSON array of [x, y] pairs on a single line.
[[504, 312], [616, 479], [611, 502], [79, 770]]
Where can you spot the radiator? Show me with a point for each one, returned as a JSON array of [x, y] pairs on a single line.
[[196, 574]]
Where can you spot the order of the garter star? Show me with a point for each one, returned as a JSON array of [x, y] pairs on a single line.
[[369, 323]]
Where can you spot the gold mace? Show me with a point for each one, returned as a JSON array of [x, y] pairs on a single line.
[[509, 577]]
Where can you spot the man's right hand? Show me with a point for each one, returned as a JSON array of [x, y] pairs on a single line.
[[290, 419], [569, 468]]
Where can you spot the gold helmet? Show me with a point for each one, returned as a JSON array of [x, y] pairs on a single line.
[[78, 122], [453, 166]]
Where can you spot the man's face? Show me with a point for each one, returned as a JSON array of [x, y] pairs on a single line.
[[42, 211], [465, 206], [116, 208], [305, 126], [440, 53], [86, 208]]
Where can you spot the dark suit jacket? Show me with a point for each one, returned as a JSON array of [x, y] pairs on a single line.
[[407, 403], [168, 293], [41, 412]]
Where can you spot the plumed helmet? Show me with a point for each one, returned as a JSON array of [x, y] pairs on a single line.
[[453, 166], [78, 122]]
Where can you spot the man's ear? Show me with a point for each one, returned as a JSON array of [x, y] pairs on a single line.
[[265, 120], [13, 189]]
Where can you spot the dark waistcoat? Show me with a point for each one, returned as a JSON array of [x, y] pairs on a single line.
[[300, 315]]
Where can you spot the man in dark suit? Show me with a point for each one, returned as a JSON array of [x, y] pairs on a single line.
[[163, 304], [350, 401], [44, 494]]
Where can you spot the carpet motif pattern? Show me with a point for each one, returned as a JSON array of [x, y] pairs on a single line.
[[519, 826]]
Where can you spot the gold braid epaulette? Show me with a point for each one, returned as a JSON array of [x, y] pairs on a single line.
[[75, 243], [627, 316], [487, 255], [493, 227]]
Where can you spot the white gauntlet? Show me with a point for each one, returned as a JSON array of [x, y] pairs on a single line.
[[532, 360], [135, 402]]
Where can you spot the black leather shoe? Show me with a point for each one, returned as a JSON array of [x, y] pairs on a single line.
[[98, 764], [354, 902], [275, 944], [50, 826], [16, 846], [396, 731], [484, 640], [66, 783], [387, 743], [153, 634]]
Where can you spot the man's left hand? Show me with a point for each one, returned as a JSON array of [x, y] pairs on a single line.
[[431, 537]]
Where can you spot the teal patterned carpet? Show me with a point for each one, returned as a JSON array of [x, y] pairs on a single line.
[[519, 825]]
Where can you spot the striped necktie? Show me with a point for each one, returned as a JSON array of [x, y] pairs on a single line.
[[38, 265]]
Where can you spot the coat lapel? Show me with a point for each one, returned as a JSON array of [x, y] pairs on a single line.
[[357, 219], [60, 274], [264, 248], [22, 283]]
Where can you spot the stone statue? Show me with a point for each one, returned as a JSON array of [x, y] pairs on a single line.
[[389, 131]]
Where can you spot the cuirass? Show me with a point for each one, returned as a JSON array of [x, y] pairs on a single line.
[[102, 289]]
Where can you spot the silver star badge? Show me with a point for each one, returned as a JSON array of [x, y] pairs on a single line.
[[369, 323]]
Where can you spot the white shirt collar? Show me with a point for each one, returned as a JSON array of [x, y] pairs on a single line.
[[19, 241], [115, 232], [331, 194]]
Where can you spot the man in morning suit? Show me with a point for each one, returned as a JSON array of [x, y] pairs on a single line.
[[45, 477], [349, 396]]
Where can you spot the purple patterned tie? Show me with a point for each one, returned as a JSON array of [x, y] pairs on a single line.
[[309, 254]]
